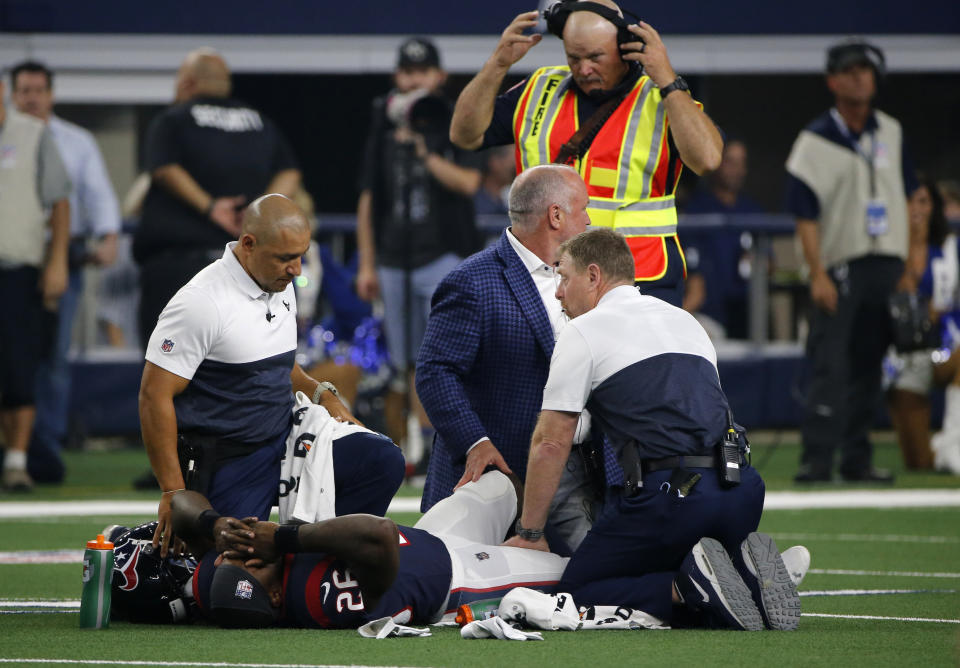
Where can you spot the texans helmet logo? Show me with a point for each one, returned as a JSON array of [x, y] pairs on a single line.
[[129, 571]]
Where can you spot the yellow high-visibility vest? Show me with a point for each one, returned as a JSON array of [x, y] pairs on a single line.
[[629, 171]]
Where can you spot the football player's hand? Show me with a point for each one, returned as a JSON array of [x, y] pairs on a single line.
[[229, 533], [242, 545], [483, 455]]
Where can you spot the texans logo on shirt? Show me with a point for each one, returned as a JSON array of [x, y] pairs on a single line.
[[167, 345]]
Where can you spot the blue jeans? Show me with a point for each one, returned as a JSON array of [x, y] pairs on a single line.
[[53, 393], [396, 312]]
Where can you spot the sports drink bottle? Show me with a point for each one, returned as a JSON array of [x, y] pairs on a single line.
[[482, 609], [97, 575]]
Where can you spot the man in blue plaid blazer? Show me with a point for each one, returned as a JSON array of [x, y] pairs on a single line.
[[486, 352]]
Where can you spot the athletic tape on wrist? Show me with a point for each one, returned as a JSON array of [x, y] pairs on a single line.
[[287, 538]]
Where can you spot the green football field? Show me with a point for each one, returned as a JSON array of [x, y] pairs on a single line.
[[882, 590]]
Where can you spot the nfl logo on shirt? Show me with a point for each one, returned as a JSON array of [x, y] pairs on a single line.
[[244, 590], [166, 346]]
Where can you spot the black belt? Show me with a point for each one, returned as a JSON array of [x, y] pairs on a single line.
[[680, 461]]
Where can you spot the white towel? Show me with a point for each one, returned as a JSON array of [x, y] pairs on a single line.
[[385, 627], [613, 617], [496, 627], [555, 612], [307, 489]]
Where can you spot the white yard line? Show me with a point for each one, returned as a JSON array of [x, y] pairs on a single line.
[[897, 574], [215, 664], [863, 498], [889, 498], [866, 537], [873, 592], [885, 619]]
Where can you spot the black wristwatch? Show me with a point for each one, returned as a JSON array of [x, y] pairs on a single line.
[[533, 535], [678, 84]]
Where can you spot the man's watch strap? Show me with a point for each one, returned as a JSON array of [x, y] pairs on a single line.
[[533, 535], [678, 84], [325, 386]]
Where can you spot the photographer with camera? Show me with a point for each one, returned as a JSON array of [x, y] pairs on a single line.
[[617, 112], [415, 216]]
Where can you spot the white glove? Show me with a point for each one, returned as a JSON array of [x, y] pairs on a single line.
[[542, 611], [496, 627], [385, 627]]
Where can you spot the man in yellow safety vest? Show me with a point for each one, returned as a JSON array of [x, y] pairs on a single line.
[[617, 112]]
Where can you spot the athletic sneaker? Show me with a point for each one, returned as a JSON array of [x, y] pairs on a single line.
[[797, 561], [709, 582], [946, 453], [770, 583], [17, 480]]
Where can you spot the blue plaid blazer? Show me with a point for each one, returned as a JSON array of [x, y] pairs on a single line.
[[483, 364]]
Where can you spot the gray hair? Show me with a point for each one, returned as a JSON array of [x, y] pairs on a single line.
[[536, 189]]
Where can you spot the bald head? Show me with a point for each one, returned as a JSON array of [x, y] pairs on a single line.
[[204, 73], [274, 237], [269, 214], [538, 188], [585, 23], [593, 53]]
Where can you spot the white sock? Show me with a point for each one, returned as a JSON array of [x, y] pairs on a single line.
[[15, 460]]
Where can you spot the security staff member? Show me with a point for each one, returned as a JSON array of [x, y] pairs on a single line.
[[848, 183], [208, 156], [220, 376], [619, 81], [647, 373]]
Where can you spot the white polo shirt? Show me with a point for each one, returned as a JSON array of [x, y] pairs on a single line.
[[647, 372], [236, 344]]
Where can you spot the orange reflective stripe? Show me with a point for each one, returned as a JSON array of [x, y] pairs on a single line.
[[649, 257], [564, 125]]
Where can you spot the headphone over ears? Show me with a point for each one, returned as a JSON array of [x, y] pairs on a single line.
[[556, 17]]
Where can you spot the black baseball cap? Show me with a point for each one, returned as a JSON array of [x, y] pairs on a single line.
[[238, 600], [418, 52], [855, 52]]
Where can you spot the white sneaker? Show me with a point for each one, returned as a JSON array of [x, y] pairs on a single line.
[[946, 453], [797, 561]]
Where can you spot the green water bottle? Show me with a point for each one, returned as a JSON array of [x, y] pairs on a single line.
[[482, 609], [97, 576]]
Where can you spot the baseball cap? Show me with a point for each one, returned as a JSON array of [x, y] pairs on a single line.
[[238, 600], [855, 52], [418, 52]]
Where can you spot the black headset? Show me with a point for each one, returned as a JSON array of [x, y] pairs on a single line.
[[556, 17]]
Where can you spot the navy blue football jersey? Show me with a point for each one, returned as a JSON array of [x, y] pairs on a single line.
[[320, 592]]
